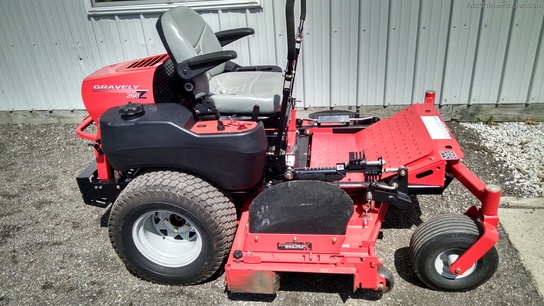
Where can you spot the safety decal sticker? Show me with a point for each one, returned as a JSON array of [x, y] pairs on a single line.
[[436, 128]]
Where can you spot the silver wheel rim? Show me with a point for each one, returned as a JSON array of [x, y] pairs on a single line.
[[445, 259], [167, 238]]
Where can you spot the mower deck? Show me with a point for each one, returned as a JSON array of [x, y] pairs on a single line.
[[265, 254]]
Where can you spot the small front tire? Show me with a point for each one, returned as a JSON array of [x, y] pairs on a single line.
[[438, 242]]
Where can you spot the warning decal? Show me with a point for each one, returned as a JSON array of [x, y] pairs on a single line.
[[436, 128]]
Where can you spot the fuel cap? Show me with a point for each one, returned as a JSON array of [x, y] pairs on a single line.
[[131, 110]]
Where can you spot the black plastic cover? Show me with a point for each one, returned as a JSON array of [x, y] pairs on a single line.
[[161, 137], [301, 207]]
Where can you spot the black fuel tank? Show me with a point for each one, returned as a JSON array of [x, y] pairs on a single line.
[[160, 136]]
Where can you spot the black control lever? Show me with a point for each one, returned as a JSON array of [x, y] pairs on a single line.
[[220, 125], [255, 113]]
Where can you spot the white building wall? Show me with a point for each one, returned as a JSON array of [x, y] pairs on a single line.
[[367, 52]]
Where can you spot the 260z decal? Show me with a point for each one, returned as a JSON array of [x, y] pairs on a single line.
[[131, 91]]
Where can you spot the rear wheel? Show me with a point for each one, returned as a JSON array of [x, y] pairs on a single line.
[[172, 227], [436, 245]]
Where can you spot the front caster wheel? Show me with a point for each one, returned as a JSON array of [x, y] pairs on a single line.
[[437, 243], [389, 279], [172, 227]]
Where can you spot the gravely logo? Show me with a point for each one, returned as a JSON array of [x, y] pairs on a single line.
[[113, 87], [131, 91], [295, 246]]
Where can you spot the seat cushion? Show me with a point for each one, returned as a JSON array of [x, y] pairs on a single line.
[[237, 92]]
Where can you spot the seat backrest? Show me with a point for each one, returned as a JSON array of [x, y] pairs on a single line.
[[185, 34]]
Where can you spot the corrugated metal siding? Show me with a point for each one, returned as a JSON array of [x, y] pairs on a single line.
[[367, 52], [317, 54], [521, 54], [460, 54], [491, 51], [344, 47], [432, 40], [401, 51], [536, 87], [372, 52]]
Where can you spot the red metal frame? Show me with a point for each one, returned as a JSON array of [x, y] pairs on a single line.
[[489, 196], [352, 253], [102, 165], [80, 130], [292, 130], [230, 126]]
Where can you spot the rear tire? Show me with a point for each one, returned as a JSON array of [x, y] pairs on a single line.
[[438, 242], [172, 227]]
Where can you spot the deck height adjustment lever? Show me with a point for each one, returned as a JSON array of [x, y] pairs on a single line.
[[372, 170]]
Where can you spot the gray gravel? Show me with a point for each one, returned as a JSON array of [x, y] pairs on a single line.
[[54, 251], [518, 146]]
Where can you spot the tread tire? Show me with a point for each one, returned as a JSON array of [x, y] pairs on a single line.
[[212, 213], [444, 233]]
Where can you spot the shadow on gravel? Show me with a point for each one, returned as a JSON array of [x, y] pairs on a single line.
[[311, 282], [105, 217], [403, 218], [404, 267], [250, 297]]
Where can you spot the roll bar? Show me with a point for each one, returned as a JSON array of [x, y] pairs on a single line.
[[293, 39], [290, 22], [293, 50]]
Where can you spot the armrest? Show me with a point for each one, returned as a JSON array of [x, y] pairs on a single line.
[[228, 36], [233, 67], [199, 64]]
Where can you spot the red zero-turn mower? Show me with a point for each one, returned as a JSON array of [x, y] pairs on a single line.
[[207, 166]]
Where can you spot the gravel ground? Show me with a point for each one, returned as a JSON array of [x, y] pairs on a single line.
[[54, 250], [519, 147]]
